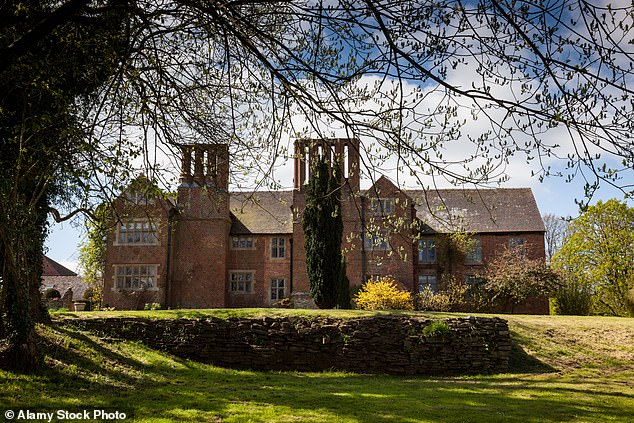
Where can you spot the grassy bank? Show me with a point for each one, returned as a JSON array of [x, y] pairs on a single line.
[[563, 369]]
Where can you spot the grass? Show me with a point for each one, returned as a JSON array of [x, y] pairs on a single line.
[[224, 313], [564, 369]]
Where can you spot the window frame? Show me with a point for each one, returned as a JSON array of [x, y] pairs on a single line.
[[434, 286], [470, 281], [277, 288], [139, 197], [249, 281], [476, 256], [151, 233], [377, 241], [126, 271], [517, 244], [382, 206], [237, 239], [372, 278], [427, 249], [278, 251]]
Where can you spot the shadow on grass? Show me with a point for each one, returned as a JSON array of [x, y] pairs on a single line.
[[522, 362], [158, 386]]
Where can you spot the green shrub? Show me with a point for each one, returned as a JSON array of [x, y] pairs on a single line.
[[573, 298], [630, 302], [455, 296], [383, 295], [52, 293], [437, 328], [427, 300], [152, 306]]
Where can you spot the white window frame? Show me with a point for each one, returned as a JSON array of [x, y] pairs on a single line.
[[240, 242], [144, 232], [244, 285], [135, 277], [278, 247]]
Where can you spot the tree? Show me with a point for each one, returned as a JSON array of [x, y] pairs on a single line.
[[323, 229], [556, 229], [574, 298], [45, 91], [513, 278], [92, 91], [599, 253], [92, 253], [343, 288]]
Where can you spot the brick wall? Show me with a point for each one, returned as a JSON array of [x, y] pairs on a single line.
[[260, 260], [200, 248], [395, 345], [118, 254]]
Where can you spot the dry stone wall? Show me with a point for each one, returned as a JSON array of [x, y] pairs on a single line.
[[395, 345]]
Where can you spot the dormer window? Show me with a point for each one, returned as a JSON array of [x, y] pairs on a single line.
[[137, 196], [381, 206]]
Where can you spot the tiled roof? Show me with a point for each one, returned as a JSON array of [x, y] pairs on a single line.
[[64, 283], [478, 210], [53, 268], [263, 212], [443, 210]]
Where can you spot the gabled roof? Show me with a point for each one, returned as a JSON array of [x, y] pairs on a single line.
[[261, 212], [478, 210], [384, 187], [53, 268]]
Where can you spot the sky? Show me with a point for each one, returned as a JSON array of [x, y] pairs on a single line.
[[553, 195]]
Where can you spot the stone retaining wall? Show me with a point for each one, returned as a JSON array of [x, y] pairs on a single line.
[[393, 345]]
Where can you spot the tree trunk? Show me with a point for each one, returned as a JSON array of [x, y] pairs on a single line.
[[22, 232]]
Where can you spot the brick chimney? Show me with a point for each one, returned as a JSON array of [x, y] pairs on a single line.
[[210, 163], [345, 149]]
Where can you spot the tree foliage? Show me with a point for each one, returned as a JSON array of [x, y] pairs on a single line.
[[343, 289], [573, 298], [599, 253], [45, 91], [92, 253], [513, 278], [323, 228]]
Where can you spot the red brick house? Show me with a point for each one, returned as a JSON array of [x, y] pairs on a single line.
[[209, 247]]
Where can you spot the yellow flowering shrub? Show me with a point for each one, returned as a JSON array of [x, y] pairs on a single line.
[[383, 295]]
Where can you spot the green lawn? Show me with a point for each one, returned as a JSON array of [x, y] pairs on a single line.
[[564, 369]]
